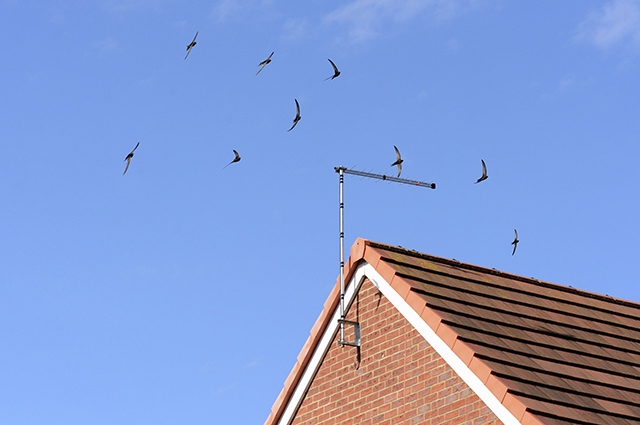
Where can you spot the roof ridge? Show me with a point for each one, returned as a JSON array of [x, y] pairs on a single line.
[[530, 280]]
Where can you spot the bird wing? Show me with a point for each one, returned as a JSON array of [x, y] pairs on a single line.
[[484, 168], [237, 158], [134, 149], [335, 71], [335, 68], [297, 118], [190, 45], [127, 167], [397, 153], [399, 168], [515, 241]]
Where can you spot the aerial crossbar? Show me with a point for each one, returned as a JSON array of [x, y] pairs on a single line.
[[386, 178]]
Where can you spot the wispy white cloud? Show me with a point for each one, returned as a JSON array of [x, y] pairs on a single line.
[[295, 29], [106, 45], [453, 44], [571, 81], [618, 22], [126, 5], [225, 389], [365, 19], [251, 364], [225, 9]]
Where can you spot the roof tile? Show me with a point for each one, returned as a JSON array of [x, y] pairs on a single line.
[[558, 355], [463, 351]]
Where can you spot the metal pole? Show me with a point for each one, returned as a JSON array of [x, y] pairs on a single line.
[[341, 173]]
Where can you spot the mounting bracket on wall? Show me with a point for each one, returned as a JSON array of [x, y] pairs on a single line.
[[356, 333]]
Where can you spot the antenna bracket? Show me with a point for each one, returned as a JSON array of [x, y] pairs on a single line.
[[356, 333]]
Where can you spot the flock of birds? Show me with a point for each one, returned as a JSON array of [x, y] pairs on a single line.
[[397, 163]]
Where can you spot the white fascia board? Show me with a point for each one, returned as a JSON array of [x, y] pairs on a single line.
[[441, 347], [351, 289], [368, 271]]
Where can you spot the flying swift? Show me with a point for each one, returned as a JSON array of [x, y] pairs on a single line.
[[128, 158], [515, 241], [398, 162], [264, 63], [335, 71], [484, 172], [236, 159], [190, 45], [298, 117]]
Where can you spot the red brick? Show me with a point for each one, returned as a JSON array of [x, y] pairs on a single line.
[[401, 379]]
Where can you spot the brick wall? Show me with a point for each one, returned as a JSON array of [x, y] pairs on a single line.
[[400, 379]]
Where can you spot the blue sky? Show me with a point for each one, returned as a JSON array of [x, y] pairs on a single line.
[[182, 292]]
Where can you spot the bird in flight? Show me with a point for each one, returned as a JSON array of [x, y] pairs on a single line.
[[128, 158], [484, 172], [515, 242], [264, 63], [398, 162], [236, 159], [190, 45], [298, 117], [335, 71]]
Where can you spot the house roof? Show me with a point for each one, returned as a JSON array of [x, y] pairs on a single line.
[[549, 354]]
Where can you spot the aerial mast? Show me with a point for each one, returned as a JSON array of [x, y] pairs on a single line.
[[341, 172]]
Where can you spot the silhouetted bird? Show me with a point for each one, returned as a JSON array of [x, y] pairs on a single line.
[[335, 71], [515, 242], [298, 117], [236, 159], [190, 45], [264, 63], [128, 158], [484, 172], [398, 162]]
